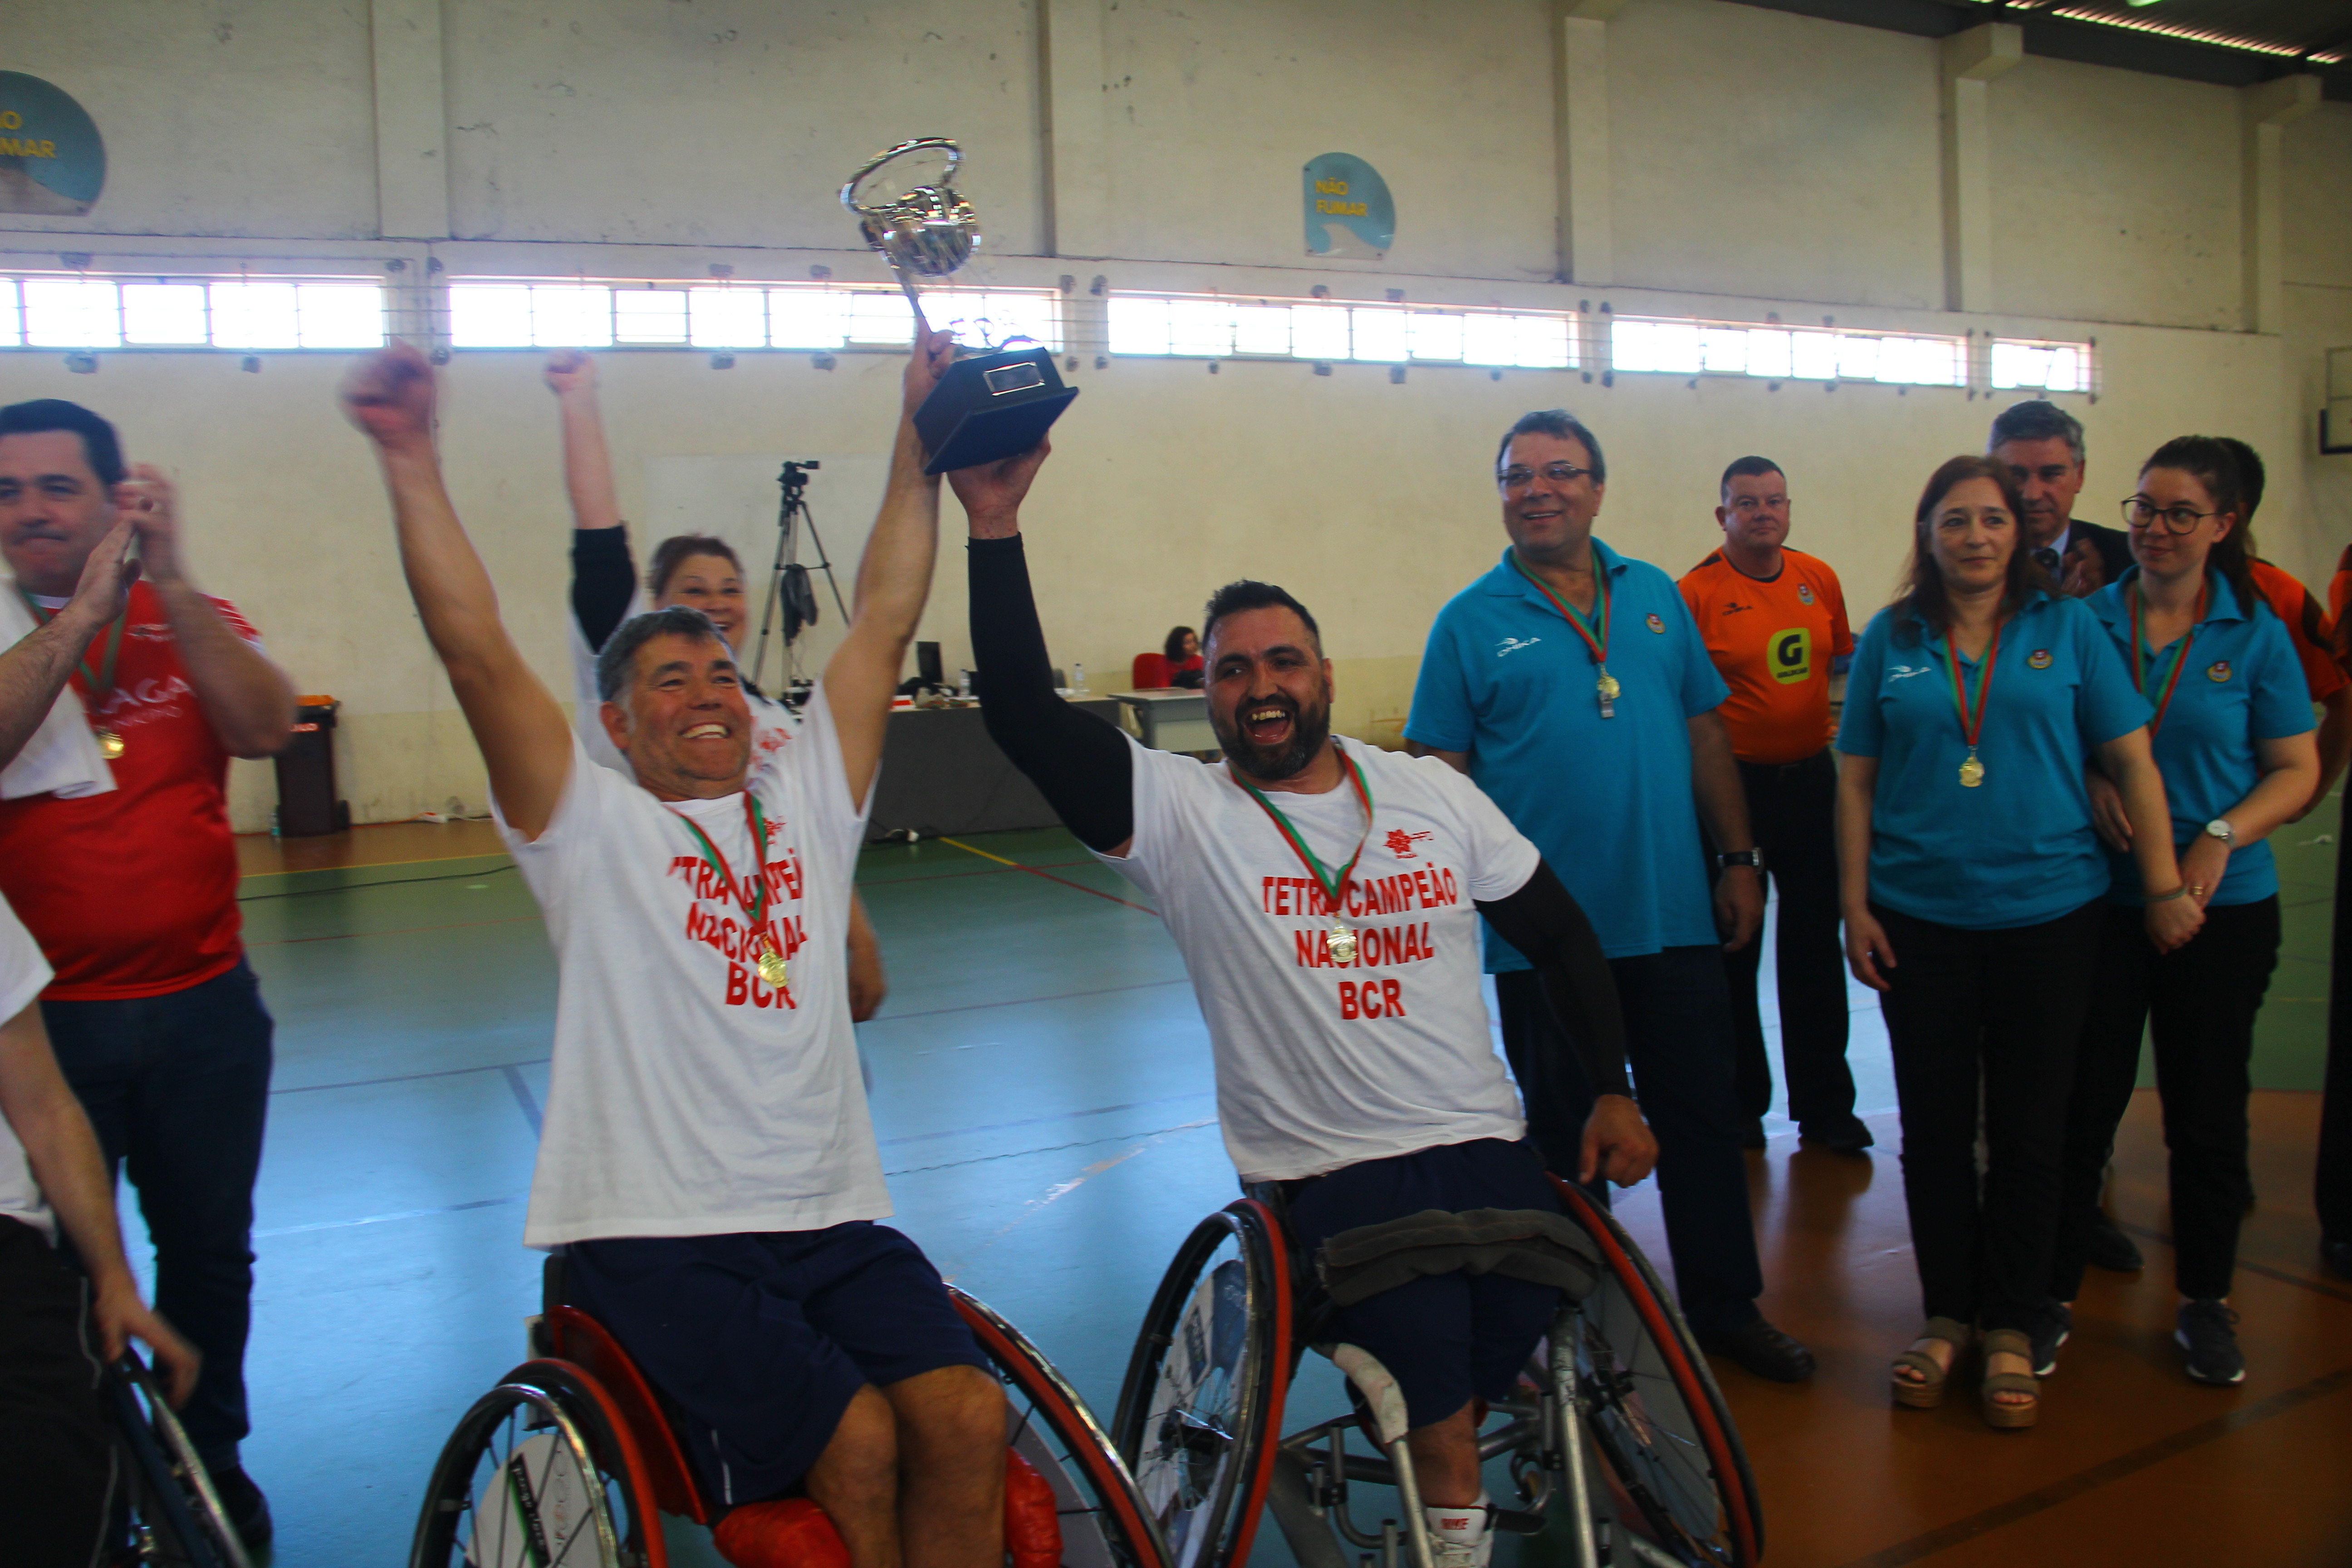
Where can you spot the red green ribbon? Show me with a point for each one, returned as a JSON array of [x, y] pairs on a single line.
[[1971, 725], [1335, 891], [755, 910], [1598, 645], [2140, 658], [98, 683]]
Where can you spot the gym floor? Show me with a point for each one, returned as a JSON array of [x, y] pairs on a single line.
[[1042, 1095]]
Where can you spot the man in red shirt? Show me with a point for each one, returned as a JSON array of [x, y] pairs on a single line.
[[128, 881], [1774, 621]]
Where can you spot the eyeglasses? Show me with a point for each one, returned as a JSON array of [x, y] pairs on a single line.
[[2139, 512], [1558, 473]]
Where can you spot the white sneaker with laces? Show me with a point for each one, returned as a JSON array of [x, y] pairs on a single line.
[[1460, 1537]]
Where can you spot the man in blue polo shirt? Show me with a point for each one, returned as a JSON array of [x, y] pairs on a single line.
[[1574, 686]]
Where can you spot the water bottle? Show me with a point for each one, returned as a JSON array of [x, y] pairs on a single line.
[[1077, 677]]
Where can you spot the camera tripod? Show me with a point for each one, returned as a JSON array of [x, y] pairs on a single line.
[[786, 575]]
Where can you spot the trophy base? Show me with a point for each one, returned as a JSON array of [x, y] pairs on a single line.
[[990, 407]]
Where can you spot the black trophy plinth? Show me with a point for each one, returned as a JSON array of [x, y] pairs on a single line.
[[990, 407]]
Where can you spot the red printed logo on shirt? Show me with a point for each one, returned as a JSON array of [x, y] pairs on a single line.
[[1400, 843]]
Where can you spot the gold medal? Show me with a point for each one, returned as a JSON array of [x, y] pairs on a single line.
[[1607, 686], [1971, 773], [1341, 943], [771, 965], [109, 745]]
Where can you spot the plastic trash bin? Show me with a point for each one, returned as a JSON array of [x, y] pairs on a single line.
[[307, 802]]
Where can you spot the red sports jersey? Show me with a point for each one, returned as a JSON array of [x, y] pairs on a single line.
[[2307, 626], [134, 892]]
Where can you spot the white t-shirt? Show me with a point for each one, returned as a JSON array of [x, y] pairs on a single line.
[[687, 1098], [23, 973], [773, 724], [1318, 1066]]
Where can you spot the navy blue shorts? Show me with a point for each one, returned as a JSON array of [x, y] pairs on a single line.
[[760, 1340], [1448, 1337]]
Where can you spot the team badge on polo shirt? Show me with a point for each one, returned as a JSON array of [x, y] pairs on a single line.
[[2037, 660], [1657, 624], [2219, 671], [1804, 592]]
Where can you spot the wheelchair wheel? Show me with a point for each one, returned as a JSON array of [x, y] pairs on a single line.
[[174, 1518], [1200, 1413], [1653, 1407], [539, 1473], [1103, 1523]]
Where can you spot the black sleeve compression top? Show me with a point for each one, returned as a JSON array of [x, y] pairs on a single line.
[[604, 578], [1082, 768]]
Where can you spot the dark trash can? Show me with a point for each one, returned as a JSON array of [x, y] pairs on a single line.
[[307, 805]]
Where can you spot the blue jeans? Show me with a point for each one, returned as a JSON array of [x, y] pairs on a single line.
[[178, 1086]]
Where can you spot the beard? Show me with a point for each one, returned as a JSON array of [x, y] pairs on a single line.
[[1310, 729]]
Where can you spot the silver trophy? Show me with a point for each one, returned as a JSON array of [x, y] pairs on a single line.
[[991, 404]]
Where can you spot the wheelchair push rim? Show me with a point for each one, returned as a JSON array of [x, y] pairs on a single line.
[[538, 1474], [1653, 1407], [1200, 1412], [176, 1515], [1103, 1523]]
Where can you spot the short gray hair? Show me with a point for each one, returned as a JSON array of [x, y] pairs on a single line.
[[1559, 423], [2037, 419], [618, 660]]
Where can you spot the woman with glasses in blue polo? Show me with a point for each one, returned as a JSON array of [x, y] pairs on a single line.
[[2232, 731], [1973, 884]]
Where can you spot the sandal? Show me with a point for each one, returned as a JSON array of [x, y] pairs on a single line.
[[2010, 1342], [1927, 1392]]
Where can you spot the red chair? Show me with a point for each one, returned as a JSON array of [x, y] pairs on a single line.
[[1151, 672]]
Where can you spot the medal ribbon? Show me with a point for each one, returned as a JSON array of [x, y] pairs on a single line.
[[2140, 659], [1337, 892], [98, 683], [1971, 727], [1598, 645], [756, 913]]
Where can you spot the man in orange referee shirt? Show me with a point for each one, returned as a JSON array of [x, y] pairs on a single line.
[[1774, 618]]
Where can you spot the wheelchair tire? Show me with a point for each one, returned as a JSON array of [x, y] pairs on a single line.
[[1651, 1406], [545, 1454], [1200, 1413], [1104, 1524], [174, 1518]]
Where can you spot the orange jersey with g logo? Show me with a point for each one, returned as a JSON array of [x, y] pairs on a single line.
[[1772, 643]]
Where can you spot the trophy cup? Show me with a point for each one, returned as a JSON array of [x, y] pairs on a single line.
[[997, 402]]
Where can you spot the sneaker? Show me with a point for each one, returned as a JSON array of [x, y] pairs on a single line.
[[1460, 1537], [2109, 1248], [1851, 1136], [2209, 1333], [248, 1510], [2052, 1328]]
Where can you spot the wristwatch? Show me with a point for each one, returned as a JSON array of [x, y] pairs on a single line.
[[2220, 829], [1753, 857]]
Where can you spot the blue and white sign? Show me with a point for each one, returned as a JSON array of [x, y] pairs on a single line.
[[51, 159], [1348, 210]]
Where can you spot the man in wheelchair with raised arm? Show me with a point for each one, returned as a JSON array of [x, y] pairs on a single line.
[[708, 1162], [1326, 896]]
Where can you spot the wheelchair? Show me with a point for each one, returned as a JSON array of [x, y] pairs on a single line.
[[172, 1517], [1617, 1428], [569, 1460]]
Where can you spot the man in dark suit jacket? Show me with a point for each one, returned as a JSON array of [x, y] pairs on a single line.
[[2041, 446]]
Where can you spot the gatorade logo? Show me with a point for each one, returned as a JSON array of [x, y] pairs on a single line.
[[1791, 655]]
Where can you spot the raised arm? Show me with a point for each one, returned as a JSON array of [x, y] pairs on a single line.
[[894, 580], [247, 701], [603, 577], [63, 1153], [1545, 923], [516, 722], [1080, 764], [37, 668]]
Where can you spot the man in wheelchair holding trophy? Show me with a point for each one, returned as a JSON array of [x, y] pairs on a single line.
[[1326, 896]]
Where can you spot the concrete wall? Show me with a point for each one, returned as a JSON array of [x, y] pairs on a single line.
[[1758, 163]]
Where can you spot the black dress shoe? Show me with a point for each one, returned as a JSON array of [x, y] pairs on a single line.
[[248, 1510], [1851, 1136], [1764, 1351], [2109, 1248], [1752, 1135], [2337, 1255]]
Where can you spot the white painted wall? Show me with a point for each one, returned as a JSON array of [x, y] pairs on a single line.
[[1760, 163]]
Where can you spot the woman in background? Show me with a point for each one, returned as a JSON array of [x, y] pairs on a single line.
[[2232, 735], [695, 569], [1972, 880], [1183, 649]]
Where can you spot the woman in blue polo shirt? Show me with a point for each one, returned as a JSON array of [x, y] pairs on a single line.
[[1973, 881], [2233, 737]]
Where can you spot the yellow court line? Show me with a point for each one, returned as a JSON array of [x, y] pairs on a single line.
[[984, 854], [379, 865]]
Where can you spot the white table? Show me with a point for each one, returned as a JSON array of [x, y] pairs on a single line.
[[1171, 719]]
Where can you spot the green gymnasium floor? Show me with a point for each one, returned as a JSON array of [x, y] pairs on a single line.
[[1041, 1092]]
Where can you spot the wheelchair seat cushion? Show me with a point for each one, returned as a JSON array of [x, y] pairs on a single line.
[[1525, 1244]]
